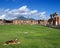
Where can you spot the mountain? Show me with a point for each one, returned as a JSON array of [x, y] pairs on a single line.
[[31, 19], [23, 18]]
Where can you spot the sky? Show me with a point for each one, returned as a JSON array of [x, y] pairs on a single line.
[[37, 9]]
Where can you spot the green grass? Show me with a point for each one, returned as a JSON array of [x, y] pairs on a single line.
[[37, 36]]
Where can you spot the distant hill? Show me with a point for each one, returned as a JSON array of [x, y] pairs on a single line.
[[20, 18], [23, 18]]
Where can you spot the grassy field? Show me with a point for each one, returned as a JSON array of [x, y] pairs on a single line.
[[36, 37]]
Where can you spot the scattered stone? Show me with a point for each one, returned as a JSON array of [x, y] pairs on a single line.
[[15, 41]]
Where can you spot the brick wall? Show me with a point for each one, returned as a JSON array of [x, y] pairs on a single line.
[[58, 20], [25, 22]]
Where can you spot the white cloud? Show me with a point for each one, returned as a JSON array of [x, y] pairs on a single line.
[[42, 15], [7, 10], [23, 8], [22, 11], [2, 16], [33, 12]]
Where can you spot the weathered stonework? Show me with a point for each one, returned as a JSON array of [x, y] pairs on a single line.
[[24, 22]]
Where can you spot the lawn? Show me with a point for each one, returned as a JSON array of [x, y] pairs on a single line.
[[30, 36]]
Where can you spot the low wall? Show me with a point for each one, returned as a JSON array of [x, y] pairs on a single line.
[[25, 22]]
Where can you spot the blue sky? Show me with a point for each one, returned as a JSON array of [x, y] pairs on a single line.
[[48, 6]]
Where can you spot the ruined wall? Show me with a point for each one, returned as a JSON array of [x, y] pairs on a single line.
[[25, 22], [43, 22], [58, 20], [1, 22], [55, 20]]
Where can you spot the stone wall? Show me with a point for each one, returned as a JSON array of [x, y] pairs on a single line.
[[25, 22]]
